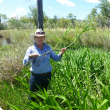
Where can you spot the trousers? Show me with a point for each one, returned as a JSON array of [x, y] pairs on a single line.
[[39, 81]]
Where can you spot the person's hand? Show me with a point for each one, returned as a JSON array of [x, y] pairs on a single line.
[[34, 55], [63, 51]]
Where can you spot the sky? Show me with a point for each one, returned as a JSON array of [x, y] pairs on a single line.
[[61, 8]]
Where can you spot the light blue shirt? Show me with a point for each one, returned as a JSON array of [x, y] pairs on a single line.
[[44, 66]]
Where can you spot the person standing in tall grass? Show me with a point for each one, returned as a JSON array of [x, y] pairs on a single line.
[[40, 66]]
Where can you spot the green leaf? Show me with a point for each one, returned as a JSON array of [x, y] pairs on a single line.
[[13, 106], [56, 38], [88, 29], [12, 86], [105, 101], [61, 97], [84, 30], [63, 36]]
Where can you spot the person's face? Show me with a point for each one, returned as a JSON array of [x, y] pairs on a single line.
[[39, 40]]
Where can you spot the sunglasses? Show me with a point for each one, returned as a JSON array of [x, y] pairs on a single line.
[[39, 33]]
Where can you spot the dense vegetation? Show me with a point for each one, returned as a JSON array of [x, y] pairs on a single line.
[[80, 81]]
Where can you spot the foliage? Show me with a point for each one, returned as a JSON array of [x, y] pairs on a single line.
[[33, 15], [72, 18], [101, 19], [3, 17], [63, 22], [105, 8], [93, 13], [81, 82], [24, 19], [3, 24], [55, 19], [14, 23], [45, 18]]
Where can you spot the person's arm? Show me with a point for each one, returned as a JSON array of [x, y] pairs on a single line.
[[27, 59], [59, 56]]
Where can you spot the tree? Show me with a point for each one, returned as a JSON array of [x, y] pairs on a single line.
[[3, 25], [24, 19], [3, 16], [49, 23], [101, 20], [104, 16], [55, 19], [93, 14], [25, 23], [64, 22], [45, 17], [105, 8], [72, 18], [33, 15], [14, 23]]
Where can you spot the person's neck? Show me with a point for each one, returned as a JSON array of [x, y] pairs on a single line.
[[40, 46]]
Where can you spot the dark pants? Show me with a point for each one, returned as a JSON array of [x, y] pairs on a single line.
[[36, 81]]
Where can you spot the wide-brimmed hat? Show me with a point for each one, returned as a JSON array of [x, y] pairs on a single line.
[[38, 33]]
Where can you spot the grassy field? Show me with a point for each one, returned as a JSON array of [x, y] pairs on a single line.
[[80, 81]]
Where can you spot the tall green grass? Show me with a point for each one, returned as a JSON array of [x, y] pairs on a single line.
[[80, 81]]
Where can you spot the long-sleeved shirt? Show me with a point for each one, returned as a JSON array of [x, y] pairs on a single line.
[[44, 66]]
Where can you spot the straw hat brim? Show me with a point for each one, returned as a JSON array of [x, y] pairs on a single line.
[[33, 35], [39, 35]]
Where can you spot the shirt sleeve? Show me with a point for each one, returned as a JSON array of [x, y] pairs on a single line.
[[54, 56], [27, 60]]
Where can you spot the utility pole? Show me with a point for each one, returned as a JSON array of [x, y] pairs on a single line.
[[0, 18], [0, 23], [40, 14]]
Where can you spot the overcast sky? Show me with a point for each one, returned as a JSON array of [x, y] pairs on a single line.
[[61, 8]]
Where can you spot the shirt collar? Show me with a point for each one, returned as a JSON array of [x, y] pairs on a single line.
[[38, 48]]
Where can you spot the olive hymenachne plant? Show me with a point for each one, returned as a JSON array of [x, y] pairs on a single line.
[[80, 81]]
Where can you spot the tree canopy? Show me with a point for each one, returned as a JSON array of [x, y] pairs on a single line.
[[99, 18], [105, 8]]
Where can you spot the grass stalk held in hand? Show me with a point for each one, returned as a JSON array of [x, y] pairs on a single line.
[[77, 37]]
